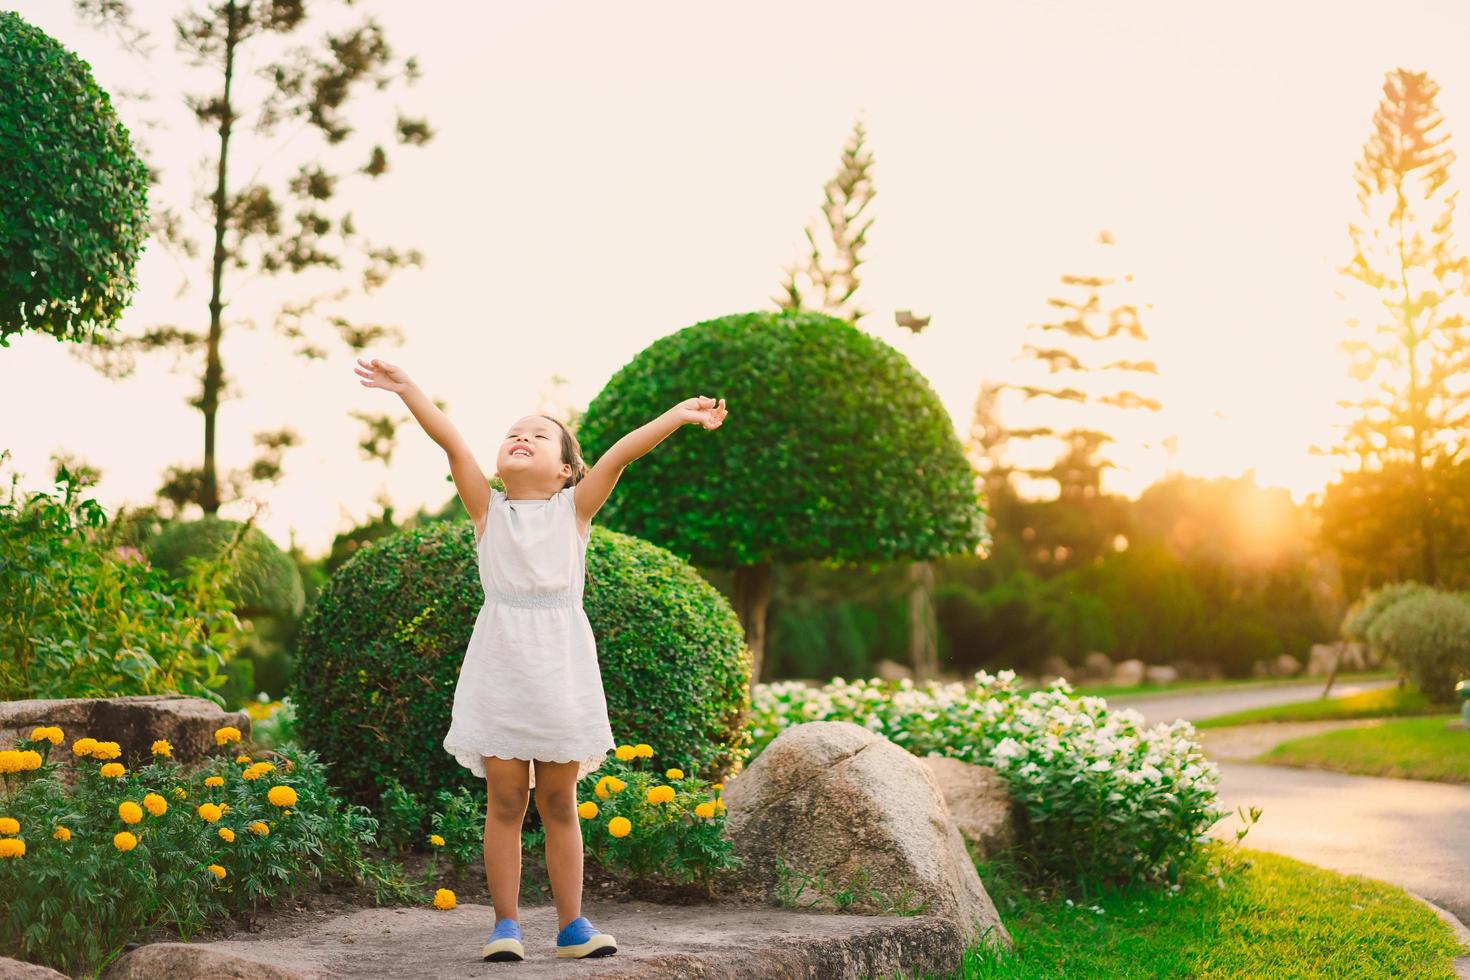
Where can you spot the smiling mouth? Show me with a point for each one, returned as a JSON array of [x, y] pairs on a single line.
[[518, 451]]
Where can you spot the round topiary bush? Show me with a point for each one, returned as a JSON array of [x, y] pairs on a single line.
[[1428, 635], [73, 195], [380, 649], [268, 582], [1362, 614]]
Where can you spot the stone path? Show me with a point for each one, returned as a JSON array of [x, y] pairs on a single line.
[[655, 941]]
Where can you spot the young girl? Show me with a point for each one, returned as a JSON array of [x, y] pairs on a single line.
[[529, 709]]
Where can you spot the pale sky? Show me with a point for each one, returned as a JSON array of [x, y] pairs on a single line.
[[606, 173]]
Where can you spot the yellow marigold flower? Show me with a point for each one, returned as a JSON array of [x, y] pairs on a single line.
[[674, 774], [281, 796], [12, 847], [660, 794], [587, 810], [124, 841], [50, 733], [625, 753], [615, 784], [643, 750], [161, 747], [719, 805], [265, 766], [444, 899], [227, 835], [436, 840], [601, 788], [226, 735], [716, 786], [224, 808], [9, 825], [106, 750], [155, 804], [215, 781], [9, 761], [620, 826], [209, 812], [129, 811], [181, 793], [259, 828], [30, 761], [83, 746], [217, 871], [242, 758], [250, 775], [705, 810], [112, 770], [61, 833]]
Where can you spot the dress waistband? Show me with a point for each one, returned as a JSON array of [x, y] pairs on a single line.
[[535, 601]]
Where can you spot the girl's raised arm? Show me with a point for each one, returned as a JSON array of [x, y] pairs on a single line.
[[469, 479], [596, 486]]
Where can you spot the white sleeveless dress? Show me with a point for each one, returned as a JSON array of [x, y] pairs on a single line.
[[530, 686]]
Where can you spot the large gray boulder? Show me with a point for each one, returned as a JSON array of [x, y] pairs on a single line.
[[1128, 673], [21, 970], [979, 802], [134, 722], [845, 809], [191, 960]]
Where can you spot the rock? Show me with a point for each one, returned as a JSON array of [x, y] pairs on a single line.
[[1285, 665], [1055, 667], [1160, 674], [844, 808], [979, 802], [21, 970], [187, 961], [134, 722], [1127, 673], [1097, 666], [655, 942], [892, 670], [1353, 656]]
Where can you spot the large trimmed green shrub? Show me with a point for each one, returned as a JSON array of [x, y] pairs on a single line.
[[836, 448], [268, 582], [1428, 635], [380, 650], [73, 195], [1362, 614]]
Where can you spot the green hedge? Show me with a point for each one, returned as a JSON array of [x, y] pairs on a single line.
[[73, 195], [268, 583], [380, 650]]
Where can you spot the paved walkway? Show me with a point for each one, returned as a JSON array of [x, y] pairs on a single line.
[[1199, 705], [1412, 833]]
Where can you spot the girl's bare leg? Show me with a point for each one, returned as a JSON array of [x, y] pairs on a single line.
[[507, 793], [556, 801]]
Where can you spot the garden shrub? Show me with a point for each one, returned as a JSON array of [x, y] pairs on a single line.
[[1427, 633], [1363, 613], [1107, 800], [73, 195], [380, 650], [81, 616], [267, 582], [88, 867]]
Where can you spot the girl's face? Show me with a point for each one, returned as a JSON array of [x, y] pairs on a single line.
[[530, 456]]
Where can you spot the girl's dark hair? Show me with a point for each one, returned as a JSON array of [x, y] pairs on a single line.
[[571, 452]]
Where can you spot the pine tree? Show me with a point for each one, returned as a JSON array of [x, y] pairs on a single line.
[[1414, 357]]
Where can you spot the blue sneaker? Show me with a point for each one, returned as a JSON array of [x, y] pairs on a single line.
[[505, 942], [579, 939]]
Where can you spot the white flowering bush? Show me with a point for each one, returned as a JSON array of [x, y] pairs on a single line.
[[1106, 799]]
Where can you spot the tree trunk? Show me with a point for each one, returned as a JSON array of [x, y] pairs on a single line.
[[923, 629], [752, 598], [213, 371]]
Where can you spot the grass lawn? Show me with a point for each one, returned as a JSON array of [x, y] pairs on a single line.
[[1278, 918], [1392, 702], [1232, 683], [1409, 748]]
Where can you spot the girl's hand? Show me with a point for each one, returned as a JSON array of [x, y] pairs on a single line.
[[380, 374], [706, 411]]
